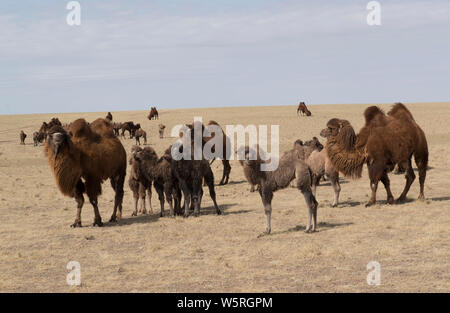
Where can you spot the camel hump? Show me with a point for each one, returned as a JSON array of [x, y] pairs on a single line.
[[373, 113], [80, 128], [102, 127], [213, 123], [399, 109]]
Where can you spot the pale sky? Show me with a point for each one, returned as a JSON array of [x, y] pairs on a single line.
[[129, 55]]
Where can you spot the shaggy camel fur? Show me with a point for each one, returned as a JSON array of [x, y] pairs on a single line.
[[159, 170], [190, 174], [290, 167], [38, 137], [22, 137], [109, 117], [161, 130], [82, 162], [305, 149], [116, 127], [303, 109], [139, 184], [138, 134], [383, 142]]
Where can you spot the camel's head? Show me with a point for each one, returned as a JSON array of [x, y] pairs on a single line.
[[57, 139], [340, 130], [251, 156], [314, 143]]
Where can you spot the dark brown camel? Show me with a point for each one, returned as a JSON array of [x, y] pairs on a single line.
[[303, 109], [22, 137], [383, 142]]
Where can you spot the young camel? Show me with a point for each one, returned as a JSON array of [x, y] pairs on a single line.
[[159, 170], [139, 185], [290, 167]]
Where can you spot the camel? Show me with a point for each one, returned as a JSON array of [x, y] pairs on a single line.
[[383, 142], [130, 127], [109, 117], [161, 130], [81, 162], [22, 137], [139, 184], [38, 137], [160, 171], [153, 115], [303, 109], [138, 134], [190, 174], [290, 167], [227, 154]]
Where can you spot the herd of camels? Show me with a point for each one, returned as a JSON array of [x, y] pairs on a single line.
[[83, 155]]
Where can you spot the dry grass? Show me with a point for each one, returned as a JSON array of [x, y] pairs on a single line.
[[222, 253]]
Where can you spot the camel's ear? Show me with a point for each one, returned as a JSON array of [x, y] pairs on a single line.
[[347, 136]]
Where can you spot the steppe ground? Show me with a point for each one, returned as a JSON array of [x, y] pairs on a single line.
[[214, 253]]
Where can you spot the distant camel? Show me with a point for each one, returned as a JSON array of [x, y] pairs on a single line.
[[161, 130], [383, 142], [138, 134], [109, 117], [82, 162], [130, 127], [153, 115], [303, 109], [22, 137]]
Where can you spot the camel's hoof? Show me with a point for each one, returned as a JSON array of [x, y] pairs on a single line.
[[368, 204], [266, 233], [334, 205], [219, 212], [134, 213], [421, 197], [97, 223], [390, 201], [76, 224], [310, 231], [400, 200], [113, 219]]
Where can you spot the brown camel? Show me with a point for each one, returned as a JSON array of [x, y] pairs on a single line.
[[226, 154], [383, 142], [138, 134], [130, 127], [139, 184], [291, 167], [161, 131], [109, 117], [81, 163], [303, 109], [153, 115], [22, 137]]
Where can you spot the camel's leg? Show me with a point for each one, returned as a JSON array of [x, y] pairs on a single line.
[[93, 189], [160, 191], [314, 183], [177, 199], [387, 185], [197, 201], [136, 200], [422, 165], [376, 171], [117, 184], [226, 172], [312, 205], [334, 179], [168, 193], [187, 196], [410, 176], [142, 210], [80, 201], [209, 179], [266, 197], [149, 195]]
